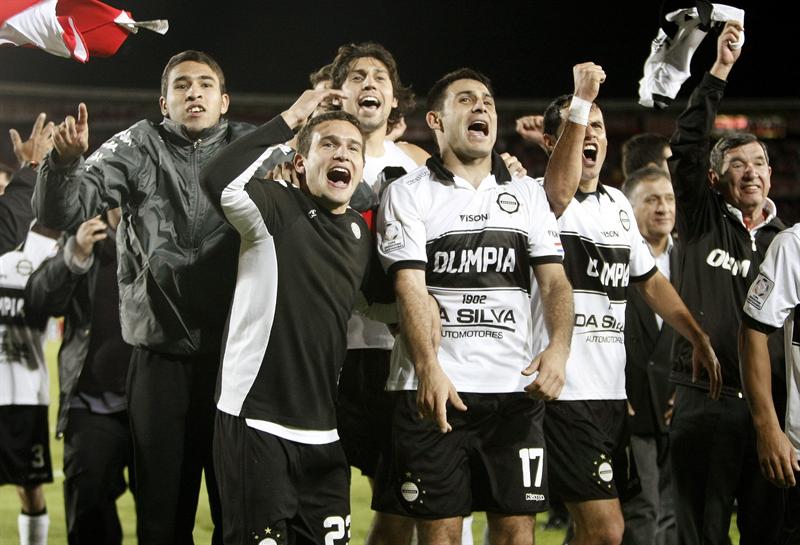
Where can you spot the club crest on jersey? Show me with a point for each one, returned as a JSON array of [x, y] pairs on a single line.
[[356, 230], [24, 267], [393, 238], [760, 291], [312, 213], [625, 220], [508, 203]]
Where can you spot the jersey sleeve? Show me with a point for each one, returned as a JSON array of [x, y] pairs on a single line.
[[544, 242], [401, 229], [642, 263], [775, 291], [245, 202]]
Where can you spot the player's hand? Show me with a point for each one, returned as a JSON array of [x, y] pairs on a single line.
[[71, 138], [731, 34], [588, 76], [304, 106], [703, 357], [531, 129], [513, 165], [397, 131], [777, 457], [550, 368], [670, 409], [284, 171], [434, 390], [38, 145], [89, 232]]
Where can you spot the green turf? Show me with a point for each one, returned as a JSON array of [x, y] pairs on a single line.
[[360, 496]]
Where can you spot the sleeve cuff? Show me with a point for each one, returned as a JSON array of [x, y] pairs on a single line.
[[752, 323], [74, 264], [645, 276], [408, 264], [545, 259], [714, 82]]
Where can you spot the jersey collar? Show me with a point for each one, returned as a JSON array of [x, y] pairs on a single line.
[[440, 172], [580, 196]]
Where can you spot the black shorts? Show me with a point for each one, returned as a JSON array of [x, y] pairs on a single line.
[[364, 408], [24, 445], [279, 490], [588, 445], [493, 460]]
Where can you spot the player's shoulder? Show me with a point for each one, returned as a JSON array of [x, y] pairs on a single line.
[[416, 153], [409, 184]]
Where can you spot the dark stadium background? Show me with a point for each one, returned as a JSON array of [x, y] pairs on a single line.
[[267, 49]]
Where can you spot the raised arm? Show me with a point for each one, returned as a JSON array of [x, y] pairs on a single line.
[[689, 163], [16, 213], [563, 174], [70, 190], [230, 170], [661, 296]]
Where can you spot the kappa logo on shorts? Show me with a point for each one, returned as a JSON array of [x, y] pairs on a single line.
[[603, 473], [269, 537], [411, 489], [393, 238]]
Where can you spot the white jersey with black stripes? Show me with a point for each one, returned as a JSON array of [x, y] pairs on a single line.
[[477, 247], [603, 253]]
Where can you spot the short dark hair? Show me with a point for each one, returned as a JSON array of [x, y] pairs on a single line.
[[196, 56], [306, 133], [727, 143], [349, 53], [644, 174], [641, 150], [552, 114], [439, 89], [322, 74]]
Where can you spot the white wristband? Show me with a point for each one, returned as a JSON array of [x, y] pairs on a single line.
[[579, 111]]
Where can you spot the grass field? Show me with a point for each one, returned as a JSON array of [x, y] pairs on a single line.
[[360, 498]]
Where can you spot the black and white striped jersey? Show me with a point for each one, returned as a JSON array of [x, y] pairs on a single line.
[[774, 301], [603, 253], [23, 371], [477, 246], [300, 268]]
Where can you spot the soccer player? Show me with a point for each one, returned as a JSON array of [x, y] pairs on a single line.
[[24, 386], [772, 302], [725, 227], [177, 262], [464, 230], [604, 252], [282, 472], [368, 73]]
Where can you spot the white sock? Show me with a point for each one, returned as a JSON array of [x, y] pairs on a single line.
[[33, 529], [466, 530]]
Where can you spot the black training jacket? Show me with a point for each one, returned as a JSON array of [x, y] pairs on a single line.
[[718, 258], [177, 257]]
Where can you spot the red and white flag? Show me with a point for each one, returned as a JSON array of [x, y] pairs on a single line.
[[70, 28]]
